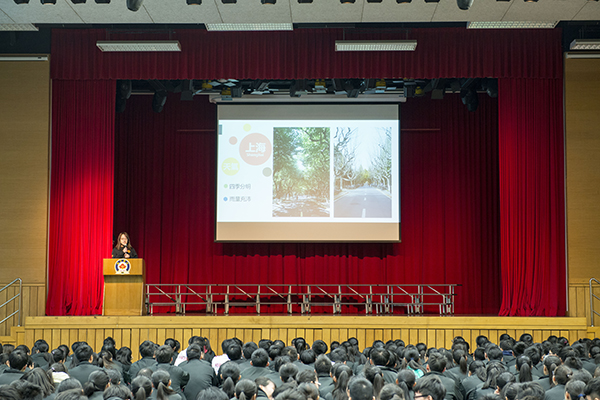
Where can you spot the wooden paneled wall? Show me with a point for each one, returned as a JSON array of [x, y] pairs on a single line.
[[582, 151], [434, 331], [24, 183], [579, 301]]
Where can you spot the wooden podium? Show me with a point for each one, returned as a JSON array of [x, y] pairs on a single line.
[[124, 280]]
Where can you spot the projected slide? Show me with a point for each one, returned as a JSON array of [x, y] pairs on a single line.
[[308, 173]]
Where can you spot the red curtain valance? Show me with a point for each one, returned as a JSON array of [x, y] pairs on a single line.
[[448, 52]]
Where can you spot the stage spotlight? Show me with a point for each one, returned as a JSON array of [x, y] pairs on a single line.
[[158, 101], [134, 5], [22, 1], [490, 85], [124, 89], [470, 99], [464, 4]]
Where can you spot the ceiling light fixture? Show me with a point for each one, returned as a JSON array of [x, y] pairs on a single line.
[[250, 27], [193, 2], [22, 1], [102, 1], [18, 27], [585, 44], [403, 1], [53, 2], [512, 25], [126, 45], [371, 45], [268, 1]]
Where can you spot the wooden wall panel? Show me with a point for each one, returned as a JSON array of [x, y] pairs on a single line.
[[583, 177], [579, 301], [434, 331]]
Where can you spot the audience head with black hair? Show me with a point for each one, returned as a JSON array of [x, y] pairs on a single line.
[[374, 375], [229, 373], [39, 377], [266, 385], [260, 358], [306, 375], [97, 382], [246, 389], [248, 348], [115, 376], [389, 391], [360, 388], [380, 356], [117, 392], [164, 354], [562, 375], [141, 388], [234, 352], [592, 389], [524, 365], [406, 381], [323, 365], [194, 352], [161, 381], [69, 384], [309, 390], [338, 355], [147, 348], [504, 379], [288, 372], [72, 394], [430, 387], [574, 389], [212, 393], [308, 357], [265, 344], [319, 347], [290, 394], [436, 362]]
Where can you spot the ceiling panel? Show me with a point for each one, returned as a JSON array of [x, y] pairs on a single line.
[[391, 11], [252, 11], [36, 12], [481, 10], [178, 12], [326, 11], [590, 11], [5, 19], [546, 10], [116, 13]]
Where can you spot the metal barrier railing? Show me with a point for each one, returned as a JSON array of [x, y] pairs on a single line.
[[370, 299], [15, 297], [592, 297]]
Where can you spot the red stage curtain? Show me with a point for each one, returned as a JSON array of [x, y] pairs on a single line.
[[165, 199], [81, 195], [532, 197], [304, 53]]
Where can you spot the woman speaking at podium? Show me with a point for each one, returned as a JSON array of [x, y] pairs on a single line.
[[123, 248]]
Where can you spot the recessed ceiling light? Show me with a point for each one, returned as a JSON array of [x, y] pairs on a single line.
[[372, 45], [250, 27], [512, 24], [123, 45], [18, 27]]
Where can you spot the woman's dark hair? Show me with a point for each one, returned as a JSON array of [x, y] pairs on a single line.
[[375, 376], [229, 373], [288, 372], [575, 389], [492, 371], [141, 388], [412, 359], [38, 376], [460, 358], [28, 390], [341, 373], [97, 382], [550, 364], [245, 389], [58, 355], [504, 379], [524, 367], [160, 381], [71, 394], [406, 380], [120, 391], [212, 393], [124, 355], [389, 391], [105, 360], [119, 246], [69, 384], [309, 390], [10, 393], [562, 375], [510, 391]]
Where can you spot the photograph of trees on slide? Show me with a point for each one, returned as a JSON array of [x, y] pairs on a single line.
[[301, 169], [363, 171]]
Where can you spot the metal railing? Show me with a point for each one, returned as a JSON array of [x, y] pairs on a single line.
[[592, 297], [15, 297], [293, 299]]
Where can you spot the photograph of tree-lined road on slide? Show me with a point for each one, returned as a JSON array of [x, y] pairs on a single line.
[[301, 172], [362, 186]]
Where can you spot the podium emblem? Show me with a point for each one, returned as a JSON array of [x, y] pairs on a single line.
[[122, 266]]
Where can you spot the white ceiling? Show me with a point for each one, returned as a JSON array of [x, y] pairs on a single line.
[[320, 11]]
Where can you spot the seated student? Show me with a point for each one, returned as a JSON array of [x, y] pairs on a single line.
[[360, 388], [436, 365], [161, 383], [266, 387], [84, 355], [247, 349], [550, 364], [147, 349], [592, 389], [406, 381], [178, 377], [95, 386], [119, 391], [41, 358], [17, 361], [562, 375], [412, 361], [258, 365], [246, 389], [389, 391], [380, 357], [523, 367], [39, 377], [374, 375], [574, 389], [200, 372], [492, 371], [141, 388], [429, 388], [323, 370], [341, 374], [229, 374]]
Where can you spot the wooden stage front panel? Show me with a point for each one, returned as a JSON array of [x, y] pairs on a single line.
[[434, 331]]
